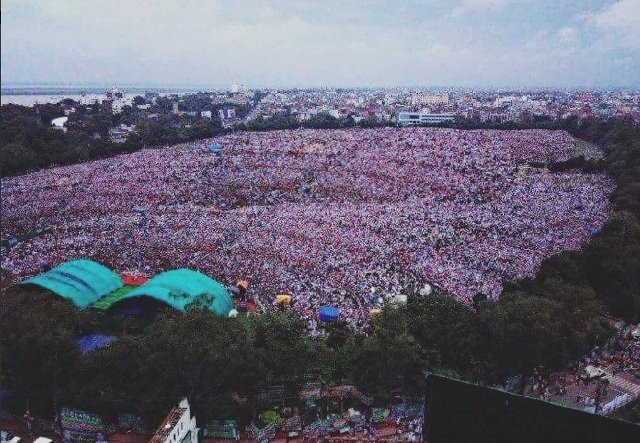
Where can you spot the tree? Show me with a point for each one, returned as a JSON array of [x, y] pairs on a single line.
[[323, 120], [39, 355], [516, 334], [613, 265], [14, 158], [283, 348], [196, 355], [139, 100], [370, 122], [582, 322], [391, 357], [440, 322]]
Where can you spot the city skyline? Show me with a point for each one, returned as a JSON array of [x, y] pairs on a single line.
[[283, 44]]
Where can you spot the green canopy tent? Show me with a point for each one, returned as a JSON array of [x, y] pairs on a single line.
[[179, 289], [82, 281]]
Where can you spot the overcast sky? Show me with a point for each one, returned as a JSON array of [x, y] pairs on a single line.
[[289, 43]]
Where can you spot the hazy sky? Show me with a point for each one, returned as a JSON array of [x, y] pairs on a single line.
[[287, 43]]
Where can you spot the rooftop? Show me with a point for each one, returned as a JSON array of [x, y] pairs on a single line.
[[167, 425]]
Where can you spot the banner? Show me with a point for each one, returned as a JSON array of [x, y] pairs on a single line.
[[76, 420], [82, 426], [222, 429]]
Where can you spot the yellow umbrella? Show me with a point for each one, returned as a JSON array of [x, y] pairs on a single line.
[[283, 299], [375, 312], [243, 283]]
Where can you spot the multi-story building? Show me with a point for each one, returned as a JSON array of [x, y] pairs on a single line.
[[178, 426], [440, 98], [117, 99], [421, 118]]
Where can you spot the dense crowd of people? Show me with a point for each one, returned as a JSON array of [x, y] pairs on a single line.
[[331, 217]]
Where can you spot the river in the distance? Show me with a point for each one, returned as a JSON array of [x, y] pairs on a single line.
[[32, 95]]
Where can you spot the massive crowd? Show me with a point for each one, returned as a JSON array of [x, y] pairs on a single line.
[[331, 217]]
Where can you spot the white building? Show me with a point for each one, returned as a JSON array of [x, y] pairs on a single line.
[[178, 426], [117, 99], [238, 88], [59, 123], [91, 99], [421, 118], [117, 105], [120, 133], [504, 100], [441, 98]]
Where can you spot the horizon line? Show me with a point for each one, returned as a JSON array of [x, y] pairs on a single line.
[[205, 87]]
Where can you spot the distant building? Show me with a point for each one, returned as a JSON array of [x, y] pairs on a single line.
[[505, 100], [226, 114], [89, 100], [421, 118], [117, 99], [441, 98], [120, 133], [237, 88], [117, 105], [205, 114], [586, 96], [178, 426], [494, 116], [59, 123]]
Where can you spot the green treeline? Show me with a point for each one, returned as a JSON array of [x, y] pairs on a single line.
[[27, 144]]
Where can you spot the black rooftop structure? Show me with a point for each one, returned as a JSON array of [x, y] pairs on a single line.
[[461, 412]]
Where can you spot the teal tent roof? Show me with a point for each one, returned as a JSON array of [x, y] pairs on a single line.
[[181, 288], [81, 281]]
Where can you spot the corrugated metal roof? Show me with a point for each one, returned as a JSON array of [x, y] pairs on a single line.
[[181, 288], [82, 281]]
